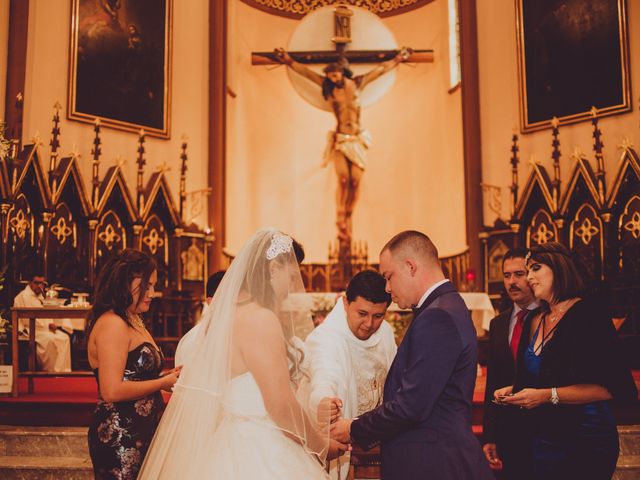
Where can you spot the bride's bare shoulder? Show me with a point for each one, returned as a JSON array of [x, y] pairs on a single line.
[[257, 319]]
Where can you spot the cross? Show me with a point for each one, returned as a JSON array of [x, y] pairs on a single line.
[[348, 143], [342, 37]]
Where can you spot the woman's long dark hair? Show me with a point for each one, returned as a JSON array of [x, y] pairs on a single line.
[[112, 289]]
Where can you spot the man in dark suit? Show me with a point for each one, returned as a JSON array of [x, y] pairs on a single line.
[[424, 423], [500, 423]]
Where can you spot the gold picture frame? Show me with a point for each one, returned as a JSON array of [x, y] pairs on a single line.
[[572, 56], [120, 64]]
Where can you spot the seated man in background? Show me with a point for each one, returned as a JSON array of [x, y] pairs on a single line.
[[350, 353], [53, 345]]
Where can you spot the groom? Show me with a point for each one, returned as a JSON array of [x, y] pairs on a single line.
[[424, 424]]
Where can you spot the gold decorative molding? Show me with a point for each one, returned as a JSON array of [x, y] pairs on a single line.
[[299, 8], [109, 236], [633, 225], [630, 218], [542, 229], [586, 231], [543, 234], [20, 224], [153, 240], [61, 230]]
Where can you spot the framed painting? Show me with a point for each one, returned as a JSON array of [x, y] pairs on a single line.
[[572, 56], [120, 64]]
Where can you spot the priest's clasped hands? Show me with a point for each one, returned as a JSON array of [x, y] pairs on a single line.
[[340, 428]]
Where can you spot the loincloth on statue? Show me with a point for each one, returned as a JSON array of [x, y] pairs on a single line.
[[353, 147]]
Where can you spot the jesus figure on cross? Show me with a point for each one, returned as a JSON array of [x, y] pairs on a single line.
[[347, 145]]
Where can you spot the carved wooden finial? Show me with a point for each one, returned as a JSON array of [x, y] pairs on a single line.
[[96, 152], [36, 140], [626, 144], [515, 160], [141, 161], [163, 167], [183, 176], [598, 145], [120, 161], [555, 155], [74, 153], [55, 144], [578, 153]]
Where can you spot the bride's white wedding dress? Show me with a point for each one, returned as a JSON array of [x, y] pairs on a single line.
[[217, 426], [247, 445]]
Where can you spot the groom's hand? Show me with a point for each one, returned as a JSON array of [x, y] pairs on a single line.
[[337, 449], [341, 430]]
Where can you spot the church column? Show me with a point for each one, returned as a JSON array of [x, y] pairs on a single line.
[[471, 133], [16, 67], [217, 125]]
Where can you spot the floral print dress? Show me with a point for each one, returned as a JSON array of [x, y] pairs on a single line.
[[120, 432]]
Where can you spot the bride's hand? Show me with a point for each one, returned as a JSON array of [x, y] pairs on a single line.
[[169, 378]]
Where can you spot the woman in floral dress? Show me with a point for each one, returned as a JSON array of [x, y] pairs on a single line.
[[127, 365]]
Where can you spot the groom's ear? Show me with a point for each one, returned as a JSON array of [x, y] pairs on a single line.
[[412, 265]]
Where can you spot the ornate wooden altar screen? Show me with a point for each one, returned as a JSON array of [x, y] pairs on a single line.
[[51, 223], [600, 226]]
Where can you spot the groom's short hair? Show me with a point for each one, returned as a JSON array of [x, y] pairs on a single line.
[[369, 285], [412, 243]]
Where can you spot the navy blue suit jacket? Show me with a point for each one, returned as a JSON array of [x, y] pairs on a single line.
[[424, 424]]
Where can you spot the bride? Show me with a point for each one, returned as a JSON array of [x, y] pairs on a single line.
[[238, 410]]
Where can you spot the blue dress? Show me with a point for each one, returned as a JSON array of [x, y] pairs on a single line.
[[588, 450], [121, 432]]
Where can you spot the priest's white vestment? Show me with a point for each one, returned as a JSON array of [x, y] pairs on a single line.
[[343, 366], [53, 349]]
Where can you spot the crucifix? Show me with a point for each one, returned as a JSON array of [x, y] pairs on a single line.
[[341, 90]]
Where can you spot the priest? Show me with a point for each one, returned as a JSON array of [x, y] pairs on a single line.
[[350, 353], [53, 342]]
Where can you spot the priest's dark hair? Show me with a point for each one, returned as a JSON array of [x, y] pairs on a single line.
[[113, 287], [213, 282], [370, 286]]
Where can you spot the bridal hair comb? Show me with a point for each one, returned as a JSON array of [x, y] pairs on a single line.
[[279, 244]]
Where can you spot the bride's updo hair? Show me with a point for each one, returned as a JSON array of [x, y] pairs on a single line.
[[275, 249], [282, 251]]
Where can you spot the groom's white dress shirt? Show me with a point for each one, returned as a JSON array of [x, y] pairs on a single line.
[[346, 367]]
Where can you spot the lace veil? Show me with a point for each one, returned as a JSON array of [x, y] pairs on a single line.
[[265, 277]]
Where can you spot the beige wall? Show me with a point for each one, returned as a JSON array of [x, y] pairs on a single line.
[[46, 83], [275, 143], [499, 106]]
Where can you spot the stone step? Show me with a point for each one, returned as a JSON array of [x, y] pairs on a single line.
[[60, 442], [45, 468], [628, 468], [629, 439]]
